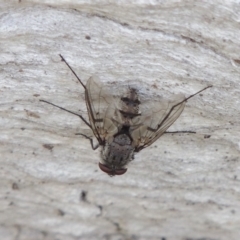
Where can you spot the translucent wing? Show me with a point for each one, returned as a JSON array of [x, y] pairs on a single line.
[[156, 118], [101, 107]]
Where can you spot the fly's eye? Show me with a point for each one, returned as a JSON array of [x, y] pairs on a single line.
[[110, 171], [120, 171], [106, 169]]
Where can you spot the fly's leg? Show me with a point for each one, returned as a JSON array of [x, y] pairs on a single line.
[[181, 132], [66, 110], [179, 104], [90, 139], [63, 59], [174, 106]]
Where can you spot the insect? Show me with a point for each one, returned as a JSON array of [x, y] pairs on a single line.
[[124, 125]]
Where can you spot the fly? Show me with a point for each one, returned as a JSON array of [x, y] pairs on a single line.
[[124, 125]]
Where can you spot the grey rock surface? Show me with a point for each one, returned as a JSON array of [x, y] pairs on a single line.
[[184, 186]]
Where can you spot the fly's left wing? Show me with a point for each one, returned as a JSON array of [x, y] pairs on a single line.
[[156, 118], [101, 108]]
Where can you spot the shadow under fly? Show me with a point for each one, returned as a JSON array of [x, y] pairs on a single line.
[[124, 125]]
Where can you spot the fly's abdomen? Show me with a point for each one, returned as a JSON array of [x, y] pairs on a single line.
[[128, 108]]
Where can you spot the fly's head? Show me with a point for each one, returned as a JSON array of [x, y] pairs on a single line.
[[115, 157]]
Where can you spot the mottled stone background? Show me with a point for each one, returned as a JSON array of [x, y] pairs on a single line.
[[185, 186]]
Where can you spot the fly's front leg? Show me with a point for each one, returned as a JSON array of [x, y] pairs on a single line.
[[90, 139]]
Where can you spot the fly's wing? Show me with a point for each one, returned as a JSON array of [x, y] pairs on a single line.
[[156, 118], [101, 107]]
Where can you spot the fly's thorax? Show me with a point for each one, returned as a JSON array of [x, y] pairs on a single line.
[[117, 151]]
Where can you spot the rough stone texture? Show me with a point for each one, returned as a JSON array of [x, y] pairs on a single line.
[[185, 186]]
